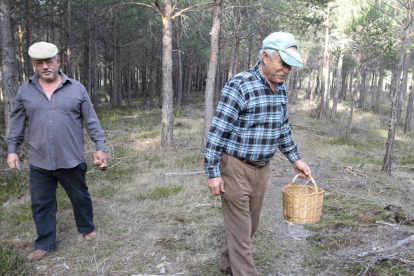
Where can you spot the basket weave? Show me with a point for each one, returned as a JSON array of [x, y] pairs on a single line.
[[302, 203]]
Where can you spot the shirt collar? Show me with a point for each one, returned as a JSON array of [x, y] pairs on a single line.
[[260, 76], [35, 78]]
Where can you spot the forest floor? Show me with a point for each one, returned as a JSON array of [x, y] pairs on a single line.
[[156, 216]]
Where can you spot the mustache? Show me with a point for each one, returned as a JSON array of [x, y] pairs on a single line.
[[47, 71], [281, 73]]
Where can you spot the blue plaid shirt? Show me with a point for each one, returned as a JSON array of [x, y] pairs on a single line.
[[251, 122]]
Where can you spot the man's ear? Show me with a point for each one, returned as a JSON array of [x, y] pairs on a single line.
[[265, 56]]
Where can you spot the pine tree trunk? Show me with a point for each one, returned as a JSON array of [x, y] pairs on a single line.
[[351, 113], [374, 88], [211, 73], [95, 66], [380, 85], [363, 89], [28, 67], [336, 91], [9, 67], [395, 93], [235, 44], [115, 71], [180, 71], [344, 83], [89, 53], [189, 79], [119, 68], [167, 92], [404, 82], [325, 77], [128, 78]]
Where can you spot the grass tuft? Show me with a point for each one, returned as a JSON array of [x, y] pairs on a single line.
[[161, 192], [11, 263]]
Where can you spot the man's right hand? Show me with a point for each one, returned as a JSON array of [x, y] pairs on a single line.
[[13, 161], [216, 185]]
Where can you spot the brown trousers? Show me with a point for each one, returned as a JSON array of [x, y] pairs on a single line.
[[245, 187]]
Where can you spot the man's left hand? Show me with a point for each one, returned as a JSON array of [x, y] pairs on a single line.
[[302, 168], [100, 160]]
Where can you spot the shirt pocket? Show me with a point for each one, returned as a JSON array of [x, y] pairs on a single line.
[[67, 105]]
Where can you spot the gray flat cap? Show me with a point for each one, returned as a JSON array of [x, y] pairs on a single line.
[[43, 50]]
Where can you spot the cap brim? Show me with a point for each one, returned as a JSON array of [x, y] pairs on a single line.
[[291, 57]]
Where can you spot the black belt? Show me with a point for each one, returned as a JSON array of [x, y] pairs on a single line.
[[257, 164]]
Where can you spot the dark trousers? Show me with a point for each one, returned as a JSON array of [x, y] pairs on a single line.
[[43, 184]]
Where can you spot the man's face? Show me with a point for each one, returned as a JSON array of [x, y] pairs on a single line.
[[47, 69], [275, 69]]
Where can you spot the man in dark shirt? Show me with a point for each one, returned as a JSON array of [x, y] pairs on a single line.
[[55, 108], [251, 123]]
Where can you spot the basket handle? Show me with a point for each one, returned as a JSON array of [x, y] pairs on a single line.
[[310, 179]]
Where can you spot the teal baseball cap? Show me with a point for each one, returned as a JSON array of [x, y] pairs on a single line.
[[281, 41]]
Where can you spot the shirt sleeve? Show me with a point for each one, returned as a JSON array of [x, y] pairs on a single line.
[[17, 125], [286, 144], [93, 127], [228, 109]]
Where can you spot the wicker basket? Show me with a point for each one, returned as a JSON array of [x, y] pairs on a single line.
[[302, 203]]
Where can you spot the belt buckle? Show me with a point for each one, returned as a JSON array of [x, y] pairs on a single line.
[[261, 164]]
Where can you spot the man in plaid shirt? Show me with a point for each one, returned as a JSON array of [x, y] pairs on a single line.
[[251, 123]]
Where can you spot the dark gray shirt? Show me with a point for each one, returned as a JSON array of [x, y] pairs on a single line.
[[55, 129]]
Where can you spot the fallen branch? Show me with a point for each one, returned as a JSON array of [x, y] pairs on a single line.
[[404, 261], [191, 148], [387, 223], [10, 200], [399, 167], [365, 164], [206, 204], [380, 250], [404, 167], [299, 126], [181, 173]]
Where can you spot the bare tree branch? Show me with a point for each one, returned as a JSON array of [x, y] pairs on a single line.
[[190, 8], [385, 12], [380, 250]]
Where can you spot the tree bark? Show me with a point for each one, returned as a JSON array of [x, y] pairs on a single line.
[[167, 92], [325, 77], [380, 85], [374, 88], [404, 82], [115, 71], [28, 67], [129, 77], [211, 73], [407, 124], [69, 40], [95, 65], [351, 113], [180, 71], [363, 88], [189, 79], [9, 66], [386, 167], [235, 45], [89, 52], [336, 93]]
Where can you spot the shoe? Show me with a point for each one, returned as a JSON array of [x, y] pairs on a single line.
[[226, 271], [90, 236], [36, 255]]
